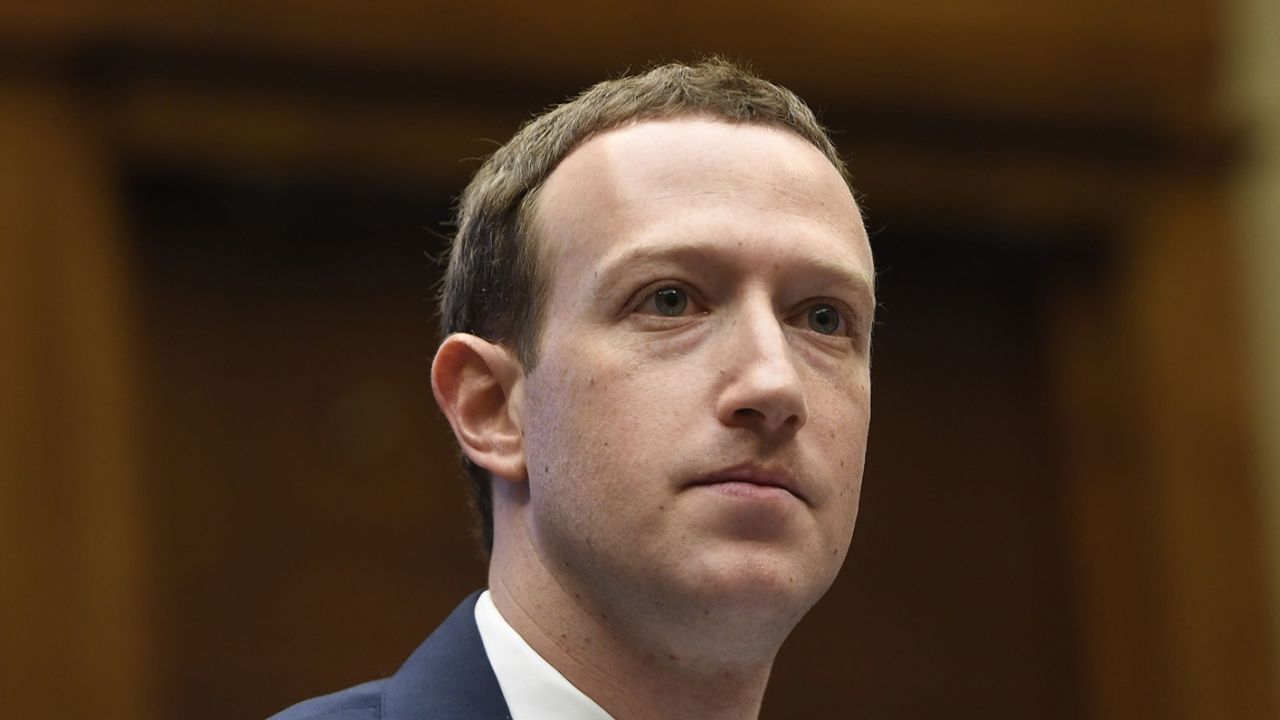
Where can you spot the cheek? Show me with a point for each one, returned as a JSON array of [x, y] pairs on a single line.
[[840, 442], [599, 450], [595, 429], [841, 408]]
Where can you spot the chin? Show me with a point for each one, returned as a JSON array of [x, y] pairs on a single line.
[[761, 584], [738, 610]]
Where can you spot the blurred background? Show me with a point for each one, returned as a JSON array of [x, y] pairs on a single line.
[[224, 485]]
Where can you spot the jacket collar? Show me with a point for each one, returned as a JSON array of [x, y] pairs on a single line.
[[448, 677]]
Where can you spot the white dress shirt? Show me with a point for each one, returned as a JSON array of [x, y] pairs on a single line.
[[534, 690]]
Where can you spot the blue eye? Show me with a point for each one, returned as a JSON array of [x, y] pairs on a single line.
[[825, 319], [670, 301]]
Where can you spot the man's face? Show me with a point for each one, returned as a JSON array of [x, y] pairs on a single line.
[[696, 425]]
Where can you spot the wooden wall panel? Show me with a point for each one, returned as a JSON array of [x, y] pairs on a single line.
[[1184, 308], [1101, 62], [314, 515], [1094, 115], [75, 619], [1163, 476]]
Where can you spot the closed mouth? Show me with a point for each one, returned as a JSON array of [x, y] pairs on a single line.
[[753, 474]]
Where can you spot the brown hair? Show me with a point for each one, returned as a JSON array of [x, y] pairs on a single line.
[[492, 287]]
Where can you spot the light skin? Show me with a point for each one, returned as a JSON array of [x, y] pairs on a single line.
[[676, 481]]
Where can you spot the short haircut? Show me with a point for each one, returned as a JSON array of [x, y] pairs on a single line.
[[493, 287]]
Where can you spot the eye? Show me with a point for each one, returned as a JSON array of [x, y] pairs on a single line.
[[825, 318], [667, 301], [670, 301]]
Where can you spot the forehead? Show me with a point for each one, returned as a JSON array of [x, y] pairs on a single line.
[[696, 179]]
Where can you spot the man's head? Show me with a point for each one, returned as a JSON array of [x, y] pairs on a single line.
[[659, 311], [498, 278]]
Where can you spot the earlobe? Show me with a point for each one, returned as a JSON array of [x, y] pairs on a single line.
[[476, 384]]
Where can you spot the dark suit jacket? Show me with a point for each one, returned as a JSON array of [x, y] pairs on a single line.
[[447, 678]]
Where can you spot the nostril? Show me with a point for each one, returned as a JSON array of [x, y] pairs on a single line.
[[756, 417]]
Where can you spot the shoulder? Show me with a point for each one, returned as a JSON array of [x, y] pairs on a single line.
[[362, 702], [448, 678]]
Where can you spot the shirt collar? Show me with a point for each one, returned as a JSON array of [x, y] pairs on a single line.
[[534, 690]]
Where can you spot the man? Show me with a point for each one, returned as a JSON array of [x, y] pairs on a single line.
[[657, 365]]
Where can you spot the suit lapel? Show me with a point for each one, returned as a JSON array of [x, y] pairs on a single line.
[[448, 677]]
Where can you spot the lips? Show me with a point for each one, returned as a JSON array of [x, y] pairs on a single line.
[[753, 474]]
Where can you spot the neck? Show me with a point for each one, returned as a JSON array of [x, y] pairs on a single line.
[[640, 651], [632, 681]]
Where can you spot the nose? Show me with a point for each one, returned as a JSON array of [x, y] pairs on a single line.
[[762, 390]]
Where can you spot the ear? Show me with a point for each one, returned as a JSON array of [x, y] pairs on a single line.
[[478, 384]]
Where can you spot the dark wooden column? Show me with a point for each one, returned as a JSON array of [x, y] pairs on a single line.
[[72, 567], [1163, 473]]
